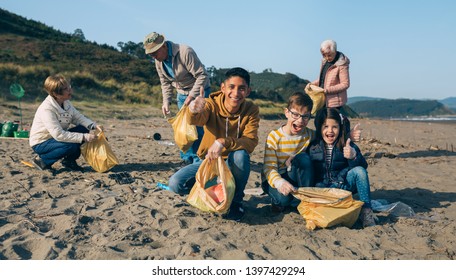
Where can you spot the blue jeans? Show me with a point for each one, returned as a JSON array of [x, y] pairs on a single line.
[[357, 181], [238, 162], [300, 175], [191, 156], [52, 150]]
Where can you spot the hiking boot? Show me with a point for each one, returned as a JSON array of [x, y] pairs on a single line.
[[368, 217], [235, 213], [39, 163], [72, 165]]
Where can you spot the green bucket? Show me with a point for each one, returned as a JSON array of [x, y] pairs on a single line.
[[21, 134]]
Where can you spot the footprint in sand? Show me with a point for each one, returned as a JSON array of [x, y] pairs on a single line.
[[183, 224], [22, 251], [153, 213]]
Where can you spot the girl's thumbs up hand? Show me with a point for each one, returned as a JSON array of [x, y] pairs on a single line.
[[349, 151]]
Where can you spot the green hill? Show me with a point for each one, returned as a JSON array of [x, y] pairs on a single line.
[[355, 99], [450, 102], [31, 51], [397, 108]]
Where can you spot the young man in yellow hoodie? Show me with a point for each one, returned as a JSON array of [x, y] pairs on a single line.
[[230, 130]]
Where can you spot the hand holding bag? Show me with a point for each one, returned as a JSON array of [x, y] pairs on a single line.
[[214, 188], [184, 133], [317, 94], [98, 154]]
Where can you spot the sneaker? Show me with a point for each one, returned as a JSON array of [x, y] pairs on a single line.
[[39, 163], [368, 217], [235, 213], [72, 165]]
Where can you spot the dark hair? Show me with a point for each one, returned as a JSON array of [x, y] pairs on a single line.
[[334, 114], [238, 72], [300, 99]]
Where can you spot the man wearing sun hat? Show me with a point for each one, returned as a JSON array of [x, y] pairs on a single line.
[[178, 68]]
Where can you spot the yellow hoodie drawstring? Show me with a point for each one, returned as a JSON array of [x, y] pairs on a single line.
[[238, 128]]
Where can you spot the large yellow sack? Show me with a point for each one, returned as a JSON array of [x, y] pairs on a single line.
[[98, 154], [317, 94], [327, 207], [214, 188], [184, 133]]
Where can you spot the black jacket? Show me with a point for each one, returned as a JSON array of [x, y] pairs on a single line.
[[337, 170]]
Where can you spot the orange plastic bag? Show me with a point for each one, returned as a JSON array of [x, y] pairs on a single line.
[[327, 207], [317, 94], [214, 188], [98, 154], [184, 133]]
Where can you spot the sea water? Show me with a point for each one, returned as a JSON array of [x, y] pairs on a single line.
[[427, 119]]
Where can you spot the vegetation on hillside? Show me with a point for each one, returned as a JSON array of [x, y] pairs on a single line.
[[399, 108], [31, 51]]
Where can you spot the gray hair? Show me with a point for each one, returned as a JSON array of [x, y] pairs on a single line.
[[329, 44]]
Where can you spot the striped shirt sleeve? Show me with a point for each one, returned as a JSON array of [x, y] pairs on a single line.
[[278, 148]]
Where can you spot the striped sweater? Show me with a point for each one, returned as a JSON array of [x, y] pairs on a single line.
[[278, 148]]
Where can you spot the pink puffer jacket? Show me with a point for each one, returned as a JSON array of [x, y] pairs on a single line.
[[337, 81]]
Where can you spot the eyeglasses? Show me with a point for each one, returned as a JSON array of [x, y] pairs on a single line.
[[68, 87], [296, 116]]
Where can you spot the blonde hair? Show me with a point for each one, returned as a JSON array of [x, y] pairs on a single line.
[[55, 85]]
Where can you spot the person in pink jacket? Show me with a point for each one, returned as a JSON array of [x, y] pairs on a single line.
[[334, 77]]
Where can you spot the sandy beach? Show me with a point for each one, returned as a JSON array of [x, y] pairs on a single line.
[[91, 216]]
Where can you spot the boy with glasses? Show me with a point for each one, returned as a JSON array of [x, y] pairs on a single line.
[[286, 166]]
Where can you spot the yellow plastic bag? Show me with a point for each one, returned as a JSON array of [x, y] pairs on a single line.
[[98, 154], [184, 133], [214, 188], [317, 94], [327, 207]]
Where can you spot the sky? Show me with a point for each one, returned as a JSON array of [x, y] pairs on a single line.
[[397, 48]]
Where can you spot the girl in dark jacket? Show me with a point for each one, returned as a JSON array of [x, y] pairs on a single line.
[[337, 162]]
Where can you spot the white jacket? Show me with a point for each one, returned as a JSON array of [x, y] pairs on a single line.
[[52, 121]]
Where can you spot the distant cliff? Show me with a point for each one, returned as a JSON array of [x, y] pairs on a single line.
[[397, 108]]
